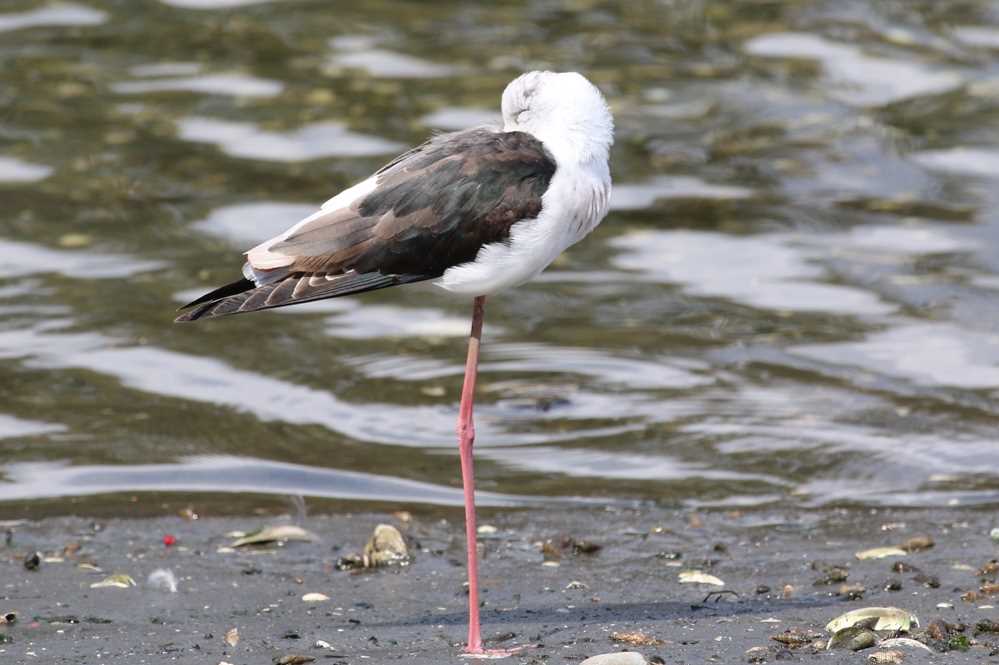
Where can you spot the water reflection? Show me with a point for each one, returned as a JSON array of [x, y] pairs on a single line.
[[237, 85], [853, 76], [356, 52], [11, 427], [761, 271], [246, 224], [22, 258], [461, 118], [314, 141], [213, 4], [971, 161], [15, 170], [644, 195], [242, 475], [54, 15], [932, 354]]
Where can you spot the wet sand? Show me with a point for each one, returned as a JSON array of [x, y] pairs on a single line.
[[416, 613]]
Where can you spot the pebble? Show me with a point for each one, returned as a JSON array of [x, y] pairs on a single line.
[[756, 655], [886, 657], [863, 640], [163, 579], [315, 598], [616, 658], [386, 547], [32, 561], [994, 535]]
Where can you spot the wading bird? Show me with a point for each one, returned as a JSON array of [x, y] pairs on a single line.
[[479, 211]]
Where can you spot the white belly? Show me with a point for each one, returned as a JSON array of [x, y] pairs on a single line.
[[576, 201]]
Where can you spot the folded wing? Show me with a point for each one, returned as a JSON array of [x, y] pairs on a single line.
[[432, 208]]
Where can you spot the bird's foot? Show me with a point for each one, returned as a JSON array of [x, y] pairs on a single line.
[[493, 654]]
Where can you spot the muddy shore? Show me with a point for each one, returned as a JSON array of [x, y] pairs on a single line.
[[789, 571]]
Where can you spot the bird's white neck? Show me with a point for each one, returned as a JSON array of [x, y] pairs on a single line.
[[569, 146]]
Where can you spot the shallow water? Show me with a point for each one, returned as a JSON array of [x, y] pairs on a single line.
[[792, 302]]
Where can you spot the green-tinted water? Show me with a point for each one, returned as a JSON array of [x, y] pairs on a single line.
[[793, 300]]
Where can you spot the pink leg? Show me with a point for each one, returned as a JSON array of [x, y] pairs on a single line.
[[466, 437]]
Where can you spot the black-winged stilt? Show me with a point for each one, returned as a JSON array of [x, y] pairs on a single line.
[[479, 211]]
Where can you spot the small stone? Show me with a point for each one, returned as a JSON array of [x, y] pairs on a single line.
[[116, 581], [762, 589], [757, 655], [315, 598], [787, 591], [163, 579], [32, 561], [851, 591], [856, 637], [635, 638], [880, 553], [616, 658], [550, 551], [994, 535], [907, 642], [699, 577], [894, 584], [293, 659], [75, 240], [939, 629], [986, 626], [582, 546], [795, 638], [865, 639], [386, 547], [918, 544], [889, 657], [830, 575]]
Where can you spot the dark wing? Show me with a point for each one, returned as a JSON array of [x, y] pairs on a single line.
[[428, 210]]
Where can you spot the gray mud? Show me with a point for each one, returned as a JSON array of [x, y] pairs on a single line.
[[416, 613]]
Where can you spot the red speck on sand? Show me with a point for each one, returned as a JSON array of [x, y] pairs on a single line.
[[169, 540]]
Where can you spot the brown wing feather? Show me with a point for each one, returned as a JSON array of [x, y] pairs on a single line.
[[434, 207]]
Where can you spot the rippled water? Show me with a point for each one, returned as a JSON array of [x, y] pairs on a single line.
[[793, 301]]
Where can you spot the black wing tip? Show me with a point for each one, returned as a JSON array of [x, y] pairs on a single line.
[[231, 299], [206, 301]]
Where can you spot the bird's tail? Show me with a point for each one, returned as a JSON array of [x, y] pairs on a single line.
[[245, 296]]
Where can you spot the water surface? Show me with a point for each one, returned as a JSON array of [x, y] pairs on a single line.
[[792, 303]]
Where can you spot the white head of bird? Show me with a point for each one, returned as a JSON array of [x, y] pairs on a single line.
[[565, 111]]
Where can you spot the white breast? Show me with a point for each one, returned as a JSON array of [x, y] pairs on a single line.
[[576, 201]]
